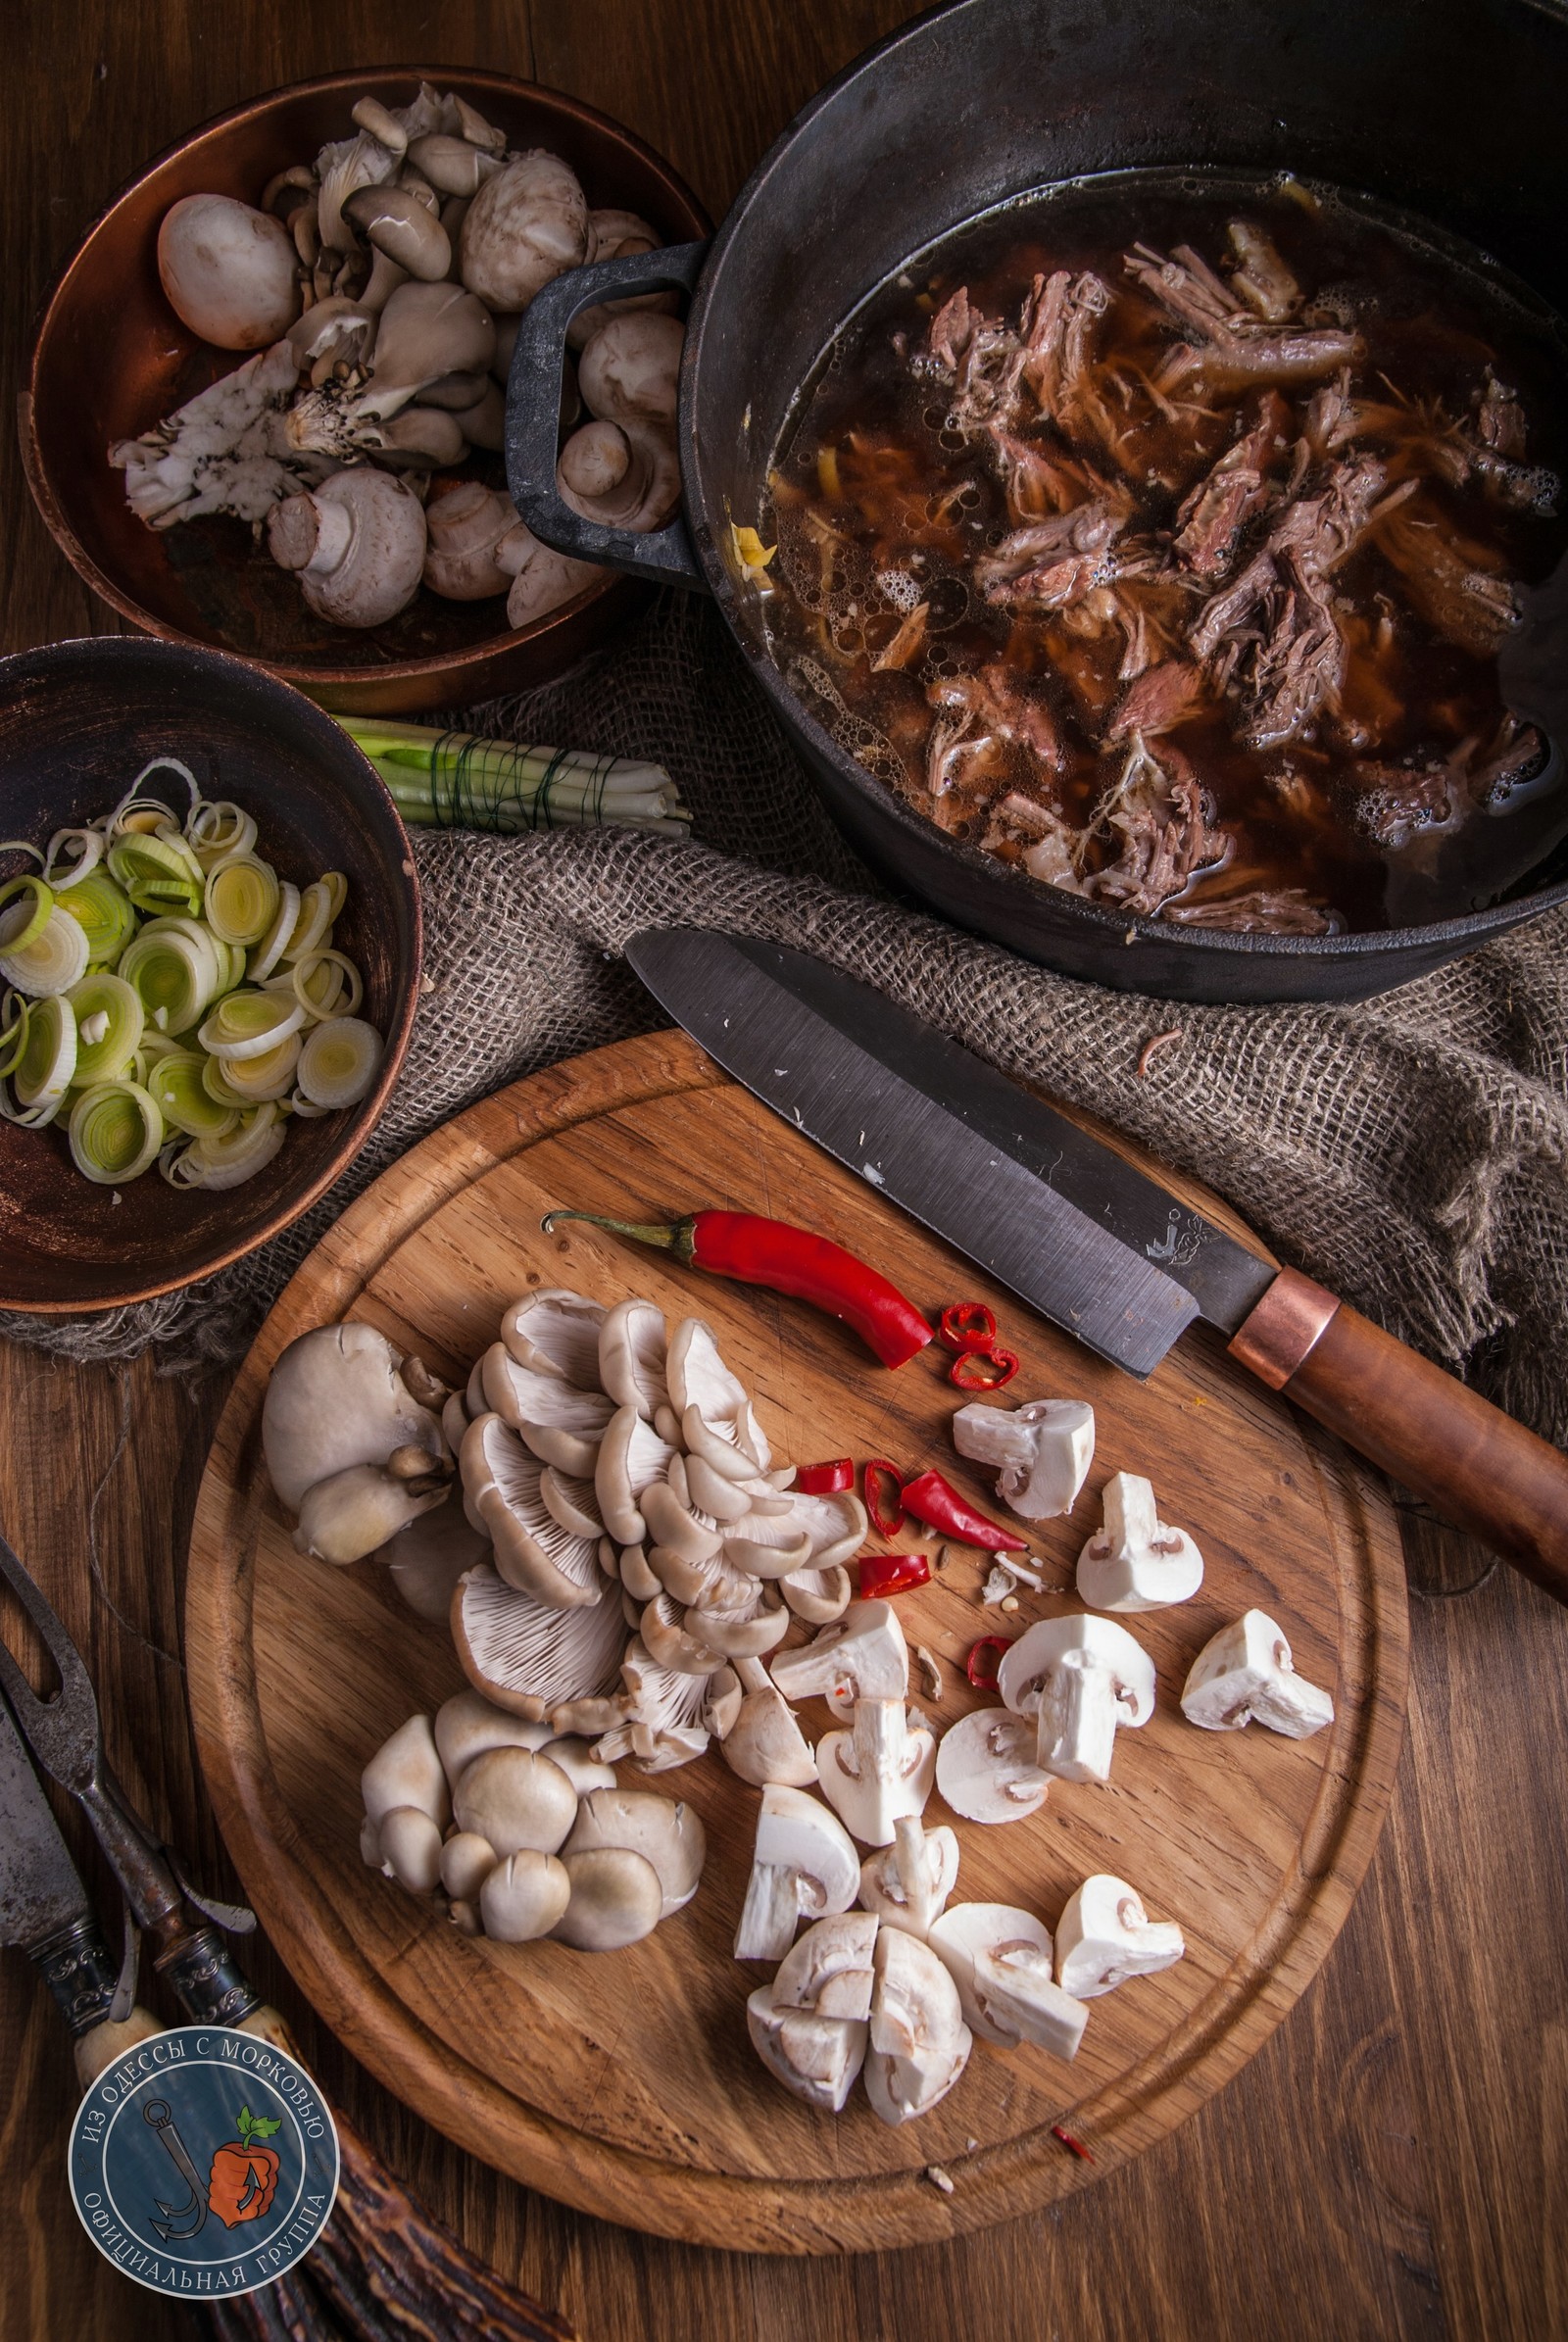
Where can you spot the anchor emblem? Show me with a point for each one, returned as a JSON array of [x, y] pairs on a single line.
[[180, 2219], [1166, 1249]]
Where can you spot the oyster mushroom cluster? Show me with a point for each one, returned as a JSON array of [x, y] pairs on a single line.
[[381, 287], [522, 1834]]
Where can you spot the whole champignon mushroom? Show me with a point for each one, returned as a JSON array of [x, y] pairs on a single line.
[[1081, 1679], [357, 543], [617, 236], [616, 1899], [398, 224], [908, 1883], [526, 225], [1043, 1451], [1246, 1671], [335, 1399], [919, 2041], [619, 479], [766, 1743], [986, 1768], [515, 1798], [530, 1658], [524, 1897], [542, 579], [230, 272], [665, 1830], [1105, 1935], [862, 1656], [878, 1771], [503, 1487], [1000, 1959], [803, 1863], [629, 373], [1134, 1561]]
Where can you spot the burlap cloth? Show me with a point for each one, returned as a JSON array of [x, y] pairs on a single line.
[[1412, 1152]]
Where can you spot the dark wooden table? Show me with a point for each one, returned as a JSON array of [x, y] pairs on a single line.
[[1396, 2161]]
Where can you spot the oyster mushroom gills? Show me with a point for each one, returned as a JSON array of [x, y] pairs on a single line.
[[380, 284]]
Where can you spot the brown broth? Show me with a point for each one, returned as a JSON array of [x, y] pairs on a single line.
[[876, 503]]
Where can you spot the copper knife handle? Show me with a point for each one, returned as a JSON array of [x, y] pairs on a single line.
[[1474, 1464]]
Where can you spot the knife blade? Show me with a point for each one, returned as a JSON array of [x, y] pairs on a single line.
[[1106, 1253], [1064, 1221], [43, 1903]]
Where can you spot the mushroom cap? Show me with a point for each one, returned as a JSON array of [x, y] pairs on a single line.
[[573, 1503], [398, 224], [425, 1559], [665, 1831], [797, 1833], [632, 1458], [616, 1899], [817, 1595], [744, 1628], [556, 1331], [524, 1896], [405, 1770], [1135, 1561], [561, 1423], [1105, 1936], [829, 1968], [633, 1347], [231, 273], [817, 2058], [463, 529], [885, 1890], [526, 225], [574, 1755], [986, 1768], [453, 166], [967, 1931], [766, 1743], [1041, 1647], [336, 1398], [515, 1798], [671, 1636], [467, 1724], [692, 1537], [411, 1848], [1246, 1671], [466, 1862], [356, 1512], [919, 2041], [427, 331], [503, 1484], [863, 1655], [715, 1412], [629, 371]]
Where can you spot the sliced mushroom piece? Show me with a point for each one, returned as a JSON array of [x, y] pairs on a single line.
[[1000, 1959], [410, 1846], [907, 1885], [1043, 1449], [405, 1770], [524, 1897], [526, 225], [665, 1830], [1135, 1561], [877, 1771], [985, 1769], [616, 1899], [466, 1862], [803, 1864], [723, 1702], [817, 2058], [556, 1331], [356, 1512], [453, 166], [529, 1657], [766, 1743], [829, 1969], [1246, 1671], [532, 1550], [515, 1798], [862, 1656], [395, 222], [817, 1595], [469, 1726], [714, 1410], [336, 1398], [1105, 1935], [631, 1459], [920, 2043], [1081, 1679], [563, 1425]]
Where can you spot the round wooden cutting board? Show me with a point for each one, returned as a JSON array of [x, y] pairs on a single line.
[[624, 2083]]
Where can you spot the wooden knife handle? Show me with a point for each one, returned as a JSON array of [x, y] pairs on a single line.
[[1475, 1465]]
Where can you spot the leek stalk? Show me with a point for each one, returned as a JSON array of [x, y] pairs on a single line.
[[454, 780]]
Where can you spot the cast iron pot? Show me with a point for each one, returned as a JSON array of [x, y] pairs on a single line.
[[1449, 109]]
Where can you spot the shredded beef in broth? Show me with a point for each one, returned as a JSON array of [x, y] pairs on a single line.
[[1159, 537]]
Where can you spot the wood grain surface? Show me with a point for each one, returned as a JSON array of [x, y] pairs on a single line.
[[628, 2086], [1394, 2163]]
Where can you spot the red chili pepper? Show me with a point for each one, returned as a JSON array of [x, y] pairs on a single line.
[[885, 1509], [983, 1370], [892, 1574], [936, 1501], [788, 1261], [1068, 2140], [984, 1679], [825, 1480], [968, 1326]]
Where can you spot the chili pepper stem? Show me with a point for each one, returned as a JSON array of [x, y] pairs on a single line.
[[665, 1235]]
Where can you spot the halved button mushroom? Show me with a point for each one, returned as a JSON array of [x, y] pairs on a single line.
[[663, 1830], [765, 1742], [1000, 1959], [829, 1969], [986, 1768], [919, 2041], [1245, 1670], [556, 1331], [862, 1656], [803, 1863], [532, 1550], [1135, 1562], [878, 1770], [1105, 1935], [909, 1883], [515, 1798], [616, 1899], [809, 2025], [1043, 1450], [1080, 1678], [531, 1658]]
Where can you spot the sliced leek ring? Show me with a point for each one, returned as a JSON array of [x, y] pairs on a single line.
[[270, 951], [247, 1024], [242, 899], [103, 912], [53, 961], [227, 1162], [47, 1062], [319, 980], [313, 929], [24, 907], [175, 1081], [270, 1076], [116, 1131], [340, 1060], [109, 1021]]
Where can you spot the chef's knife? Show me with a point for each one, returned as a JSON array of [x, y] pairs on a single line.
[[1091, 1243]]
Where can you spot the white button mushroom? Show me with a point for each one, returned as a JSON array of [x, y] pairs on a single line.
[[515, 1798], [1081, 1679], [986, 1768], [1105, 1935], [880, 1769], [1135, 1562], [1043, 1450], [829, 1969], [230, 272], [809, 2025], [463, 529], [1000, 1959], [919, 2041], [766, 1743], [357, 543], [527, 224], [907, 1885], [663, 1830], [523, 1897], [1245, 1670], [803, 1863], [616, 1899], [860, 1656]]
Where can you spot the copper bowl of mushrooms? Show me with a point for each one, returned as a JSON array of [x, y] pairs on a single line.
[[334, 272]]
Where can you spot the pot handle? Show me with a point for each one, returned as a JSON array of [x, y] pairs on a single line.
[[533, 417]]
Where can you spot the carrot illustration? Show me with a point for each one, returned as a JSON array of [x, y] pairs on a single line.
[[244, 2176]]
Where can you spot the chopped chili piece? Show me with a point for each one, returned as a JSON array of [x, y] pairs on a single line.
[[980, 1675], [883, 1500], [936, 1503], [788, 1261], [1068, 2140], [827, 1480], [983, 1370], [968, 1326], [892, 1574]]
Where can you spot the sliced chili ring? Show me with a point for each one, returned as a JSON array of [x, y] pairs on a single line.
[[827, 1480], [883, 1484], [982, 1677], [983, 1370], [883, 1574], [968, 1326]]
